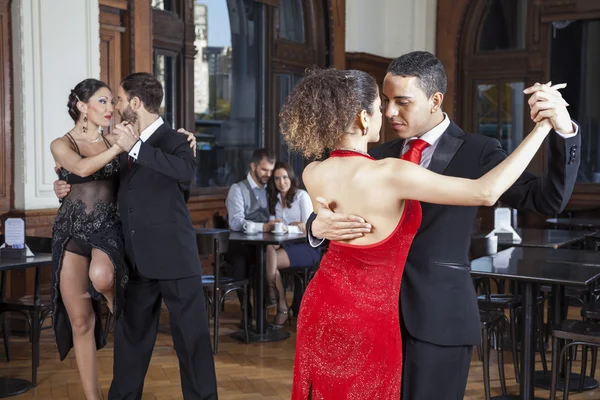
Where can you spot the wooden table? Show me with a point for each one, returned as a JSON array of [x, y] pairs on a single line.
[[14, 386], [545, 238], [261, 241]]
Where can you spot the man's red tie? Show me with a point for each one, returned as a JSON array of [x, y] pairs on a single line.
[[414, 153], [130, 162]]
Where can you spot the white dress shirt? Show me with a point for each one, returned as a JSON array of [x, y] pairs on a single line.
[[145, 135], [300, 209]]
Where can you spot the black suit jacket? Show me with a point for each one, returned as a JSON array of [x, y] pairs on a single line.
[[160, 240], [438, 300]]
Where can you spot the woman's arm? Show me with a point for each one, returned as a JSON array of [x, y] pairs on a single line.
[[414, 182], [67, 158]]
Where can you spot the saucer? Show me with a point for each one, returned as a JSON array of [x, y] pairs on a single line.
[[251, 233], [278, 233]]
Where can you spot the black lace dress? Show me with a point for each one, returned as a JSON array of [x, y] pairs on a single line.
[[88, 219]]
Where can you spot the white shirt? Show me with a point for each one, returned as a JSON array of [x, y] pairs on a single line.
[[432, 137], [145, 135], [300, 209]]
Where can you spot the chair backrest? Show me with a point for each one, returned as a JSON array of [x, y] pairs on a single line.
[[205, 239], [220, 222]]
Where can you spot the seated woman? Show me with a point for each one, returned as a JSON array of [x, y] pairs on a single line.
[[292, 206]]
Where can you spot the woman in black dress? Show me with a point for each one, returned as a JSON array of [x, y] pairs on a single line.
[[87, 244]]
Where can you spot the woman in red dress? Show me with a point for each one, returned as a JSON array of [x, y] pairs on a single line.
[[348, 342]]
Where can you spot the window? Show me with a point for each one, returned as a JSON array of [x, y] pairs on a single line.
[[499, 110], [504, 25], [291, 20], [574, 59], [225, 91], [165, 71], [165, 5], [284, 83]]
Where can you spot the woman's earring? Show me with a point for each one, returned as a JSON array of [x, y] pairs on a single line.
[[366, 131], [84, 129]]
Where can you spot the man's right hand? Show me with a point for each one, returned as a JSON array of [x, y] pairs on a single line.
[[331, 226], [61, 188]]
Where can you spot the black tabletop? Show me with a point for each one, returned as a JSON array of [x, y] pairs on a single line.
[[266, 238], [550, 238], [575, 222], [551, 255], [38, 260], [535, 271]]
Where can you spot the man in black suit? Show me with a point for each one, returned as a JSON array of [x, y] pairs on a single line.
[[439, 312], [160, 246]]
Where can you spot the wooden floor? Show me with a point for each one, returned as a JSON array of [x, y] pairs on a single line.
[[256, 371]]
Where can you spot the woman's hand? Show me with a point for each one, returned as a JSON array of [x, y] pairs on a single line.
[[300, 225]]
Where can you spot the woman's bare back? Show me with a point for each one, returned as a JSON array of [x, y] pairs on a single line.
[[356, 185]]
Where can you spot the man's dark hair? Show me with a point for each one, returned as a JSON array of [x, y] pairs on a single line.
[[146, 87], [423, 65], [260, 154]]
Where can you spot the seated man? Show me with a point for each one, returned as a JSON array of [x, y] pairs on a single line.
[[247, 202]]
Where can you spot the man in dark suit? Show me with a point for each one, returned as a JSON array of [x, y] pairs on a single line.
[[439, 312], [160, 246]]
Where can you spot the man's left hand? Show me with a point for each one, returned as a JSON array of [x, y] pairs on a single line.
[[126, 136], [190, 138], [547, 102]]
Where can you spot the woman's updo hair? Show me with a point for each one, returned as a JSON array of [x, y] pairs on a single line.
[[82, 92], [323, 106]]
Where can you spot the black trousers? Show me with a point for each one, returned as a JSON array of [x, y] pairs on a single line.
[[135, 335], [434, 372]]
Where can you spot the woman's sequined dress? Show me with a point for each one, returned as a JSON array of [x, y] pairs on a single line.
[[348, 342]]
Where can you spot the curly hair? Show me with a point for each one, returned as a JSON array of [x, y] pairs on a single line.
[[272, 191], [323, 106]]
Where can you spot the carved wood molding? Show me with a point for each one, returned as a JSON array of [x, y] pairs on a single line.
[[118, 4], [337, 32], [373, 64], [294, 52]]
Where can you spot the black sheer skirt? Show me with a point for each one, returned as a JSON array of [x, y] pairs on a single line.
[[88, 219]]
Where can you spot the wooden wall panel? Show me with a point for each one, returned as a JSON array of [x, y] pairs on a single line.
[[112, 29], [450, 16], [377, 67]]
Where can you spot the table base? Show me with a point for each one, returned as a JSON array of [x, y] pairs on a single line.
[[13, 386], [544, 380]]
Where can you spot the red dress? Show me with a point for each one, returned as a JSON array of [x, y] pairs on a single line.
[[348, 342]]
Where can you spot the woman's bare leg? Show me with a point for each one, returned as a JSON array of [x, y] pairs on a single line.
[[283, 261], [74, 283], [102, 275]]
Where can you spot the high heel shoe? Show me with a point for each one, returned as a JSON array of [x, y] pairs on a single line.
[[287, 312]]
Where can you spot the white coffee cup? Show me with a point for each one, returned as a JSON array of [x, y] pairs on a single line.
[[278, 227], [249, 227]]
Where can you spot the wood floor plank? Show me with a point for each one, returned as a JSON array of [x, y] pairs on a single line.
[[255, 371]]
